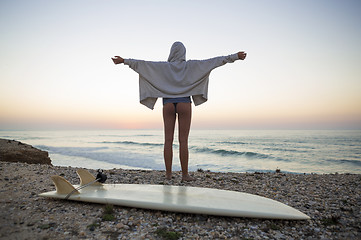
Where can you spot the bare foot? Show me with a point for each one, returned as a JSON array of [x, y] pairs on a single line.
[[168, 176], [187, 178]]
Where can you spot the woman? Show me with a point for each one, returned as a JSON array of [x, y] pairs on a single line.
[[175, 81]]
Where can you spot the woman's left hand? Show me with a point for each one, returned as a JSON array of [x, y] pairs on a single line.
[[117, 60]]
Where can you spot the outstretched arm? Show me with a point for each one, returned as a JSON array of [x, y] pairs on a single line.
[[118, 60], [242, 55]]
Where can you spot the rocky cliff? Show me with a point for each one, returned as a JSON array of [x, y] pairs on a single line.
[[14, 151]]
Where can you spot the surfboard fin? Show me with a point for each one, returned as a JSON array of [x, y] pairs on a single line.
[[63, 186], [86, 177]]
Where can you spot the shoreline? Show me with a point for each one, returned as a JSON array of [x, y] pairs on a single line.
[[236, 151], [333, 201]]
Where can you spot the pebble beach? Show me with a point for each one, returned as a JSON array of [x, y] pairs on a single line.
[[332, 201]]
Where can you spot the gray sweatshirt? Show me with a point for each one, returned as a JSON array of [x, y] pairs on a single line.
[[176, 77]]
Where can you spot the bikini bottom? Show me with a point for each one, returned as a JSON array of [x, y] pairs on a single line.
[[175, 101]]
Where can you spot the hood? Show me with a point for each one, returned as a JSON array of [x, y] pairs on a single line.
[[177, 52]]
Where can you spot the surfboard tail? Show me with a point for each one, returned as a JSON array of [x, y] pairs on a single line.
[[63, 186], [86, 177]]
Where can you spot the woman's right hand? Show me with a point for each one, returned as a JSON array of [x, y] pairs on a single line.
[[242, 55]]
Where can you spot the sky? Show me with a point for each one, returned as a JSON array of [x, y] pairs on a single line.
[[302, 70]]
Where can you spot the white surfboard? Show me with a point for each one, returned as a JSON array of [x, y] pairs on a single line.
[[174, 198]]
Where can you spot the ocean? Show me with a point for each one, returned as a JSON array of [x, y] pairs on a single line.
[[291, 151]]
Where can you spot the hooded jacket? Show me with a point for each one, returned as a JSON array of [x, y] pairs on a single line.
[[176, 77]]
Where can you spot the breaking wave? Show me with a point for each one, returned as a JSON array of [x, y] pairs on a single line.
[[223, 152], [134, 143], [103, 154]]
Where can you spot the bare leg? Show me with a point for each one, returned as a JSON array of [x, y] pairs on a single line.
[[184, 123], [169, 117]]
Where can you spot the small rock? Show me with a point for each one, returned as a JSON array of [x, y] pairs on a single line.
[[119, 225]]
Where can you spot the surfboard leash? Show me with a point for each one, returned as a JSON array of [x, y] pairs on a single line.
[[101, 177]]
